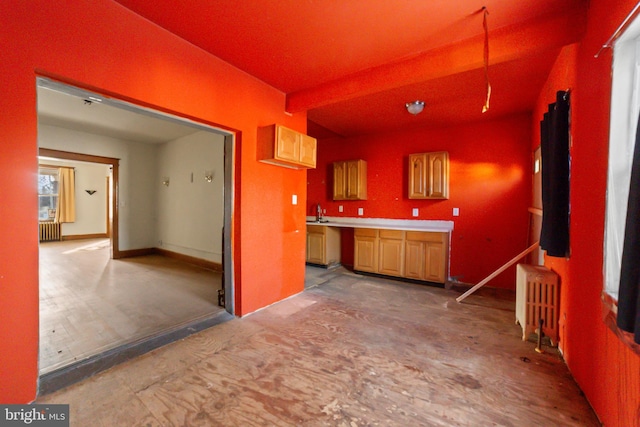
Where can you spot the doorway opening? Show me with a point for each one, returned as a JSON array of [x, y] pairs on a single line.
[[147, 269]]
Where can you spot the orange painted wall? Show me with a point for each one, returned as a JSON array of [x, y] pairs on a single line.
[[561, 77], [489, 181], [607, 371], [101, 46]]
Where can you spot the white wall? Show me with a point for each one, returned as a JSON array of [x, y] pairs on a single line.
[[91, 210], [190, 211], [186, 217], [137, 190]]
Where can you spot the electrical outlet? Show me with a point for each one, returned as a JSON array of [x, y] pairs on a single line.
[[340, 208], [456, 211], [294, 199], [360, 211], [414, 212]]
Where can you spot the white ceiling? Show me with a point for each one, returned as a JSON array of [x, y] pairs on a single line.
[[71, 108]]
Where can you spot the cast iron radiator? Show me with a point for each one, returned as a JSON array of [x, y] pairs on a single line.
[[49, 231], [537, 298]]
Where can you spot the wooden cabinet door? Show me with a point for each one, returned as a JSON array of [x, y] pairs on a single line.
[[366, 254], [429, 175], [356, 180], [339, 180], [316, 248], [287, 144], [435, 263], [350, 180], [438, 180], [418, 176], [426, 256], [281, 146], [353, 180], [390, 256], [414, 266], [308, 151]]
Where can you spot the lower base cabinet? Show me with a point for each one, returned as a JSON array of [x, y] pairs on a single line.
[[418, 255], [414, 265], [391, 252], [366, 250], [426, 256], [323, 245]]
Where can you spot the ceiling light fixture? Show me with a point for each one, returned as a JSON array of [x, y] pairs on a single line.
[[415, 107], [90, 100]]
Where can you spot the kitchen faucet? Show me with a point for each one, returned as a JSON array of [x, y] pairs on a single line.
[[318, 212]]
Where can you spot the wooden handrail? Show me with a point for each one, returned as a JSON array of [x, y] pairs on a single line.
[[498, 271]]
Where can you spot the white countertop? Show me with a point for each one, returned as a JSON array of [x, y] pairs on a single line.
[[384, 223]]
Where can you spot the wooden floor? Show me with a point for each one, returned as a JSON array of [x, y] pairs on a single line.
[[348, 351], [90, 303]]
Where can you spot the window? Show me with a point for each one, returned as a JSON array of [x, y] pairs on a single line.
[[47, 193], [625, 107], [622, 238]]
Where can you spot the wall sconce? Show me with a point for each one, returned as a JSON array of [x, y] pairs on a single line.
[[415, 107], [90, 192], [208, 176], [165, 181]]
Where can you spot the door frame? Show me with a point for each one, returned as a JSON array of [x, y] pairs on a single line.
[[230, 164], [232, 138], [114, 164]]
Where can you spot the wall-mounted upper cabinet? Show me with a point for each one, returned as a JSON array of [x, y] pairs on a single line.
[[429, 175], [350, 180], [282, 146]]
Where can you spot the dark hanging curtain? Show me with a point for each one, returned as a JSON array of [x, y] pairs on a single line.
[[554, 148], [629, 291]]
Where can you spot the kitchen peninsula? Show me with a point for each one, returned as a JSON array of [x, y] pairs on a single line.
[[412, 249]]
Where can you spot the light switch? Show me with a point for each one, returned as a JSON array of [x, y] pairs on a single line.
[[360, 211], [414, 212], [340, 208], [456, 211], [294, 199]]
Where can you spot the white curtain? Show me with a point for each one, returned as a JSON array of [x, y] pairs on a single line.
[[625, 107]]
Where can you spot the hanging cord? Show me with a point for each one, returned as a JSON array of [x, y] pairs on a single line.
[[485, 107]]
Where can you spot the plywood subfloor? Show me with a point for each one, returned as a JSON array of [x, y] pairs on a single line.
[[351, 351], [90, 303]]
